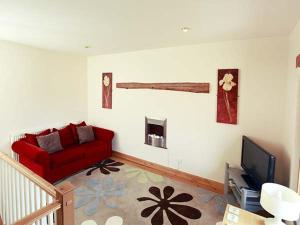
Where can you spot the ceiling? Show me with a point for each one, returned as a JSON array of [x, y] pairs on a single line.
[[111, 26]]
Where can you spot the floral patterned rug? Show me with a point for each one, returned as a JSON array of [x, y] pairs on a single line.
[[139, 197]]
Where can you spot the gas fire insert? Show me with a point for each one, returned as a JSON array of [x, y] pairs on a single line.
[[156, 132]]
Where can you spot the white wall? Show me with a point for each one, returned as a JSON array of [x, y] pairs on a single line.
[[292, 144], [193, 135], [39, 88]]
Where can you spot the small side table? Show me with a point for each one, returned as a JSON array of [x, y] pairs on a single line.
[[244, 217], [248, 199]]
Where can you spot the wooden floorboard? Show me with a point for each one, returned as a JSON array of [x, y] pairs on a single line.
[[170, 172]]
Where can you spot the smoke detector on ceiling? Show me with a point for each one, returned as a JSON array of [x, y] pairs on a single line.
[[185, 29]]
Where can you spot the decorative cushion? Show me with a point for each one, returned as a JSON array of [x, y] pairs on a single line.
[[74, 130], [85, 134], [66, 136], [31, 138], [50, 143]]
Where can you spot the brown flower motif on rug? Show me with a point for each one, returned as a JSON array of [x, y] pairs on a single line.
[[106, 166], [174, 211]]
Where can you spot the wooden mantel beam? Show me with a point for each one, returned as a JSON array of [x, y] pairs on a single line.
[[186, 86]]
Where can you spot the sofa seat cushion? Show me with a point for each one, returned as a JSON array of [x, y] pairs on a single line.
[[66, 156], [93, 148], [97, 148]]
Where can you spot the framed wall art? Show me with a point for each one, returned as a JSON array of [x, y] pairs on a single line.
[[107, 90], [227, 97]]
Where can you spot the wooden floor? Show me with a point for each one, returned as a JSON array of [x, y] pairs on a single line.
[[171, 173]]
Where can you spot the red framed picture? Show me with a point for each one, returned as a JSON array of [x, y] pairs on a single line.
[[227, 100], [298, 61], [107, 90]]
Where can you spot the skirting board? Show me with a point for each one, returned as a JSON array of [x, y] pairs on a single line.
[[170, 172]]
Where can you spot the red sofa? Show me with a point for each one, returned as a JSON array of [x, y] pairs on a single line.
[[73, 158]]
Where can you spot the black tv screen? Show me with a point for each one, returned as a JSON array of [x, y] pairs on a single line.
[[257, 163]]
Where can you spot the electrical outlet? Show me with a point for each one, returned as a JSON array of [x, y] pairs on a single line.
[[179, 164]]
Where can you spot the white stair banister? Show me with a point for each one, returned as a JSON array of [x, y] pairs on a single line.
[[27, 198]]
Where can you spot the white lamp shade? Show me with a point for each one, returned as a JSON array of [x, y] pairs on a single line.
[[280, 201]]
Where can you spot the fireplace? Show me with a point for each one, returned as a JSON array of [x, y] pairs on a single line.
[[155, 132]]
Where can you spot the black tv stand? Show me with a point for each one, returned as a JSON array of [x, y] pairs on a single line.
[[249, 181], [236, 181]]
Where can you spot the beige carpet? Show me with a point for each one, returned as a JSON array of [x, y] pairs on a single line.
[[141, 198]]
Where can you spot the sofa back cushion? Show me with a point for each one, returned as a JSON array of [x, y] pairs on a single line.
[[66, 136], [50, 142], [31, 138], [74, 130], [85, 134]]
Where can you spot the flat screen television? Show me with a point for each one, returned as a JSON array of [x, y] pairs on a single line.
[[257, 163]]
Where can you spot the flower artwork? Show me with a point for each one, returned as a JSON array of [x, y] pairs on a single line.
[[227, 96], [164, 204], [107, 90]]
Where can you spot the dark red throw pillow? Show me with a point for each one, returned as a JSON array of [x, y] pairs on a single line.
[[74, 130], [66, 136], [31, 138]]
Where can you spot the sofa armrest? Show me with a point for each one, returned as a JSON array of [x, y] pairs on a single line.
[[103, 134], [31, 152]]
